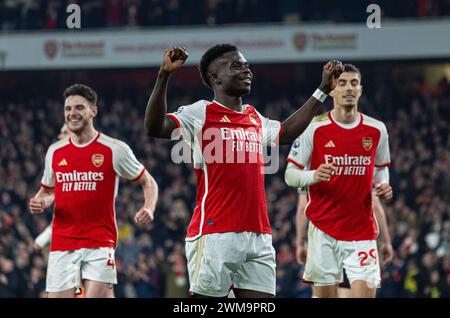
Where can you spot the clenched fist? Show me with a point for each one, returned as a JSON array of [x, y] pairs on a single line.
[[173, 59], [323, 173], [144, 215], [38, 205], [331, 72], [383, 191]]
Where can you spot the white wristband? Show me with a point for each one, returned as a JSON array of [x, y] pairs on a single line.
[[319, 95], [45, 237]]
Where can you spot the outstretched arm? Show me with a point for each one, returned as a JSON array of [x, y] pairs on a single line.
[[42, 200], [156, 123], [297, 122], [150, 188]]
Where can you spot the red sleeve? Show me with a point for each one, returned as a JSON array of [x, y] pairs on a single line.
[[280, 132]]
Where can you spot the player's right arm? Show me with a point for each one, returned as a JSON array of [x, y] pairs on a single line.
[[301, 224], [156, 123], [42, 200], [296, 175], [46, 194]]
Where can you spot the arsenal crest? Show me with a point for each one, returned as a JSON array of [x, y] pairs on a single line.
[[300, 40], [367, 143], [50, 49], [97, 159]]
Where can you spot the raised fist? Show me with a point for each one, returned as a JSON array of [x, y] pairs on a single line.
[[331, 72], [174, 59]]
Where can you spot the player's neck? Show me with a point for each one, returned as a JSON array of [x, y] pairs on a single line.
[[345, 115], [84, 136], [231, 102]]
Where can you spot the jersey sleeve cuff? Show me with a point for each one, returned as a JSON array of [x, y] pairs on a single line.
[[279, 132], [139, 175], [46, 186], [175, 119], [296, 164], [383, 165]]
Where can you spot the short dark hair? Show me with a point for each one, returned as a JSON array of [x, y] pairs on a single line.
[[352, 69], [209, 56], [82, 90]]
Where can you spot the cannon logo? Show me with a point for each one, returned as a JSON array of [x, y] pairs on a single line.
[[97, 159], [367, 143], [300, 40], [50, 49]]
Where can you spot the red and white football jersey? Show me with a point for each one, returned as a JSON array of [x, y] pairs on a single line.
[[227, 149], [85, 179], [342, 207]]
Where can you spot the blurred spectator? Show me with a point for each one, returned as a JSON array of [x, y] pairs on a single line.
[[113, 12]]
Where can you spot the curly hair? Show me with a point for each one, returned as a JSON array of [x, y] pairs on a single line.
[[209, 56]]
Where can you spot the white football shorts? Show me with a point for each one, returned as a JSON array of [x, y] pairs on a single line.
[[218, 261], [67, 269], [326, 258]]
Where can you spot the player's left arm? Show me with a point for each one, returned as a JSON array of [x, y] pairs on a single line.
[[382, 162], [383, 189], [386, 249], [127, 166], [150, 188], [298, 121]]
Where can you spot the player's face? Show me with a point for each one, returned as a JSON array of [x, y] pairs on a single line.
[[348, 90], [233, 74], [78, 113]]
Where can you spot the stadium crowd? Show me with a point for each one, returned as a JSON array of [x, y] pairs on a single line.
[[51, 14], [150, 258]]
